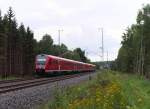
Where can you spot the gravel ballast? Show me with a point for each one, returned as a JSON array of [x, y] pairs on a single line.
[[30, 98]]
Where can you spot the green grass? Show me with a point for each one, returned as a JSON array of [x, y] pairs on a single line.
[[135, 88], [111, 90], [8, 78]]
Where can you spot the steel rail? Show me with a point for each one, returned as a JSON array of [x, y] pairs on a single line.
[[30, 83], [14, 80]]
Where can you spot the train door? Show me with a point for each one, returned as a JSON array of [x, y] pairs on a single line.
[[53, 65]]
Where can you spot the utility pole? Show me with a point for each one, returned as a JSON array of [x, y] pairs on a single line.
[[59, 32], [102, 43], [107, 57], [140, 60], [107, 64], [142, 53]]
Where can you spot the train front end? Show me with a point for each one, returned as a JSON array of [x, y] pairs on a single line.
[[40, 64]]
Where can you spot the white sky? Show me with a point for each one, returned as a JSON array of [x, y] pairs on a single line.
[[80, 20]]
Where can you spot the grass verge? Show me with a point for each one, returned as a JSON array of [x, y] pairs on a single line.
[[8, 78], [110, 90]]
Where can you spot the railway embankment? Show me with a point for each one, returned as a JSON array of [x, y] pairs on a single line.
[[111, 90], [32, 97]]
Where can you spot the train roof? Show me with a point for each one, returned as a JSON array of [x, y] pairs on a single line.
[[60, 58]]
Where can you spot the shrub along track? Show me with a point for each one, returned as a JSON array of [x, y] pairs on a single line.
[[18, 84]]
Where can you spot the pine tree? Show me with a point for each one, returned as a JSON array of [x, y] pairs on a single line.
[[29, 54], [22, 35], [8, 30], [1, 24]]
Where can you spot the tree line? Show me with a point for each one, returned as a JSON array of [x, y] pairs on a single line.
[[18, 47], [134, 54], [47, 46]]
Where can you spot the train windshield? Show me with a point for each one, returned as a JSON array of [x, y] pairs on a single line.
[[41, 60]]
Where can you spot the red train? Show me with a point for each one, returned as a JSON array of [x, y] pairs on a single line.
[[48, 64]]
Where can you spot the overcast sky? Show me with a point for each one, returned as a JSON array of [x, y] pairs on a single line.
[[79, 20]]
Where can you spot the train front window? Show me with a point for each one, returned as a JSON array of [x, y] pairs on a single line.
[[41, 60]]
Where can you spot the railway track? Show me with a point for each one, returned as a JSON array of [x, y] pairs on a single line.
[[15, 80], [13, 85]]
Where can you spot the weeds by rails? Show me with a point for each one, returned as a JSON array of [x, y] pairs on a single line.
[[111, 90]]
